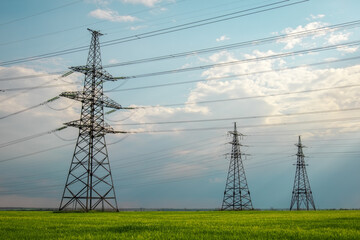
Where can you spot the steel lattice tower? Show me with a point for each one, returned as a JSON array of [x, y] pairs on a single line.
[[236, 194], [89, 184], [301, 194]]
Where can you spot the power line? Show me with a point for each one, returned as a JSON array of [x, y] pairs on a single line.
[[202, 102], [251, 97], [40, 13], [243, 126], [239, 44], [238, 118], [6, 144], [35, 153], [156, 32], [200, 51], [200, 22], [175, 83], [29, 108], [274, 56], [77, 27]]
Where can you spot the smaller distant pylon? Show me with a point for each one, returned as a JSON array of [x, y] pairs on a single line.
[[302, 198], [236, 194]]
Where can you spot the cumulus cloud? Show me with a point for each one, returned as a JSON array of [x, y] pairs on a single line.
[[348, 49], [148, 3], [222, 38], [335, 38], [112, 61], [314, 17], [290, 43], [299, 79], [135, 28], [111, 15], [45, 117], [99, 2]]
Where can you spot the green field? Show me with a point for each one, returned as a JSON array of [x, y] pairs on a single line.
[[181, 225]]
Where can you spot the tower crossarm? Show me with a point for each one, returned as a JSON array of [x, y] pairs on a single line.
[[98, 73], [104, 101], [106, 128]]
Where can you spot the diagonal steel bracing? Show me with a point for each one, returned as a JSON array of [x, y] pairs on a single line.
[[302, 198], [89, 184], [236, 194]]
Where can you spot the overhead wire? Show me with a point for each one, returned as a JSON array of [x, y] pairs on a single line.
[[156, 32], [40, 13], [76, 27], [30, 108], [242, 118], [223, 47], [240, 44], [6, 144], [180, 169], [255, 59], [243, 126], [249, 97], [35, 153]]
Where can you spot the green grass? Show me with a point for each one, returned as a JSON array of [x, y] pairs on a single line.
[[181, 225]]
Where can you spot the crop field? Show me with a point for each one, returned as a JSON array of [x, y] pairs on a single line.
[[181, 225]]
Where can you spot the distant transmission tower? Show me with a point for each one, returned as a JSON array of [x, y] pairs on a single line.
[[301, 194], [236, 194], [89, 184]]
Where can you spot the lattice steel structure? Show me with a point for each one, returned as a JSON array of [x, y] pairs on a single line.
[[301, 194], [236, 194], [89, 184]]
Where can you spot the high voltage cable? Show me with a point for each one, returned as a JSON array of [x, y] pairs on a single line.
[[36, 87], [200, 23], [238, 118], [35, 153], [243, 126], [208, 101], [199, 51], [183, 130], [274, 56], [239, 44], [29, 108], [32, 76], [77, 27], [250, 97], [2, 145], [185, 82], [256, 164], [40, 13], [235, 75], [156, 32]]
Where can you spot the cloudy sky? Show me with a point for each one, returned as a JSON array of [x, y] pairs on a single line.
[[280, 69]]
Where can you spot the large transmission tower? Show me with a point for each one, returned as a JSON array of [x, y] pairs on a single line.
[[236, 194], [301, 194], [89, 184]]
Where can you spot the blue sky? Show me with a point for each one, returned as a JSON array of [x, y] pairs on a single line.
[[314, 93]]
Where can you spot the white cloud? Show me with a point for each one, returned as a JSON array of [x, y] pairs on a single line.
[[290, 43], [99, 2], [111, 15], [112, 61], [338, 37], [148, 3], [313, 17], [348, 49], [274, 82], [135, 28], [222, 38]]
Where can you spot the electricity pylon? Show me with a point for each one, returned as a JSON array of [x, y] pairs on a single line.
[[301, 194], [236, 194], [89, 184]]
